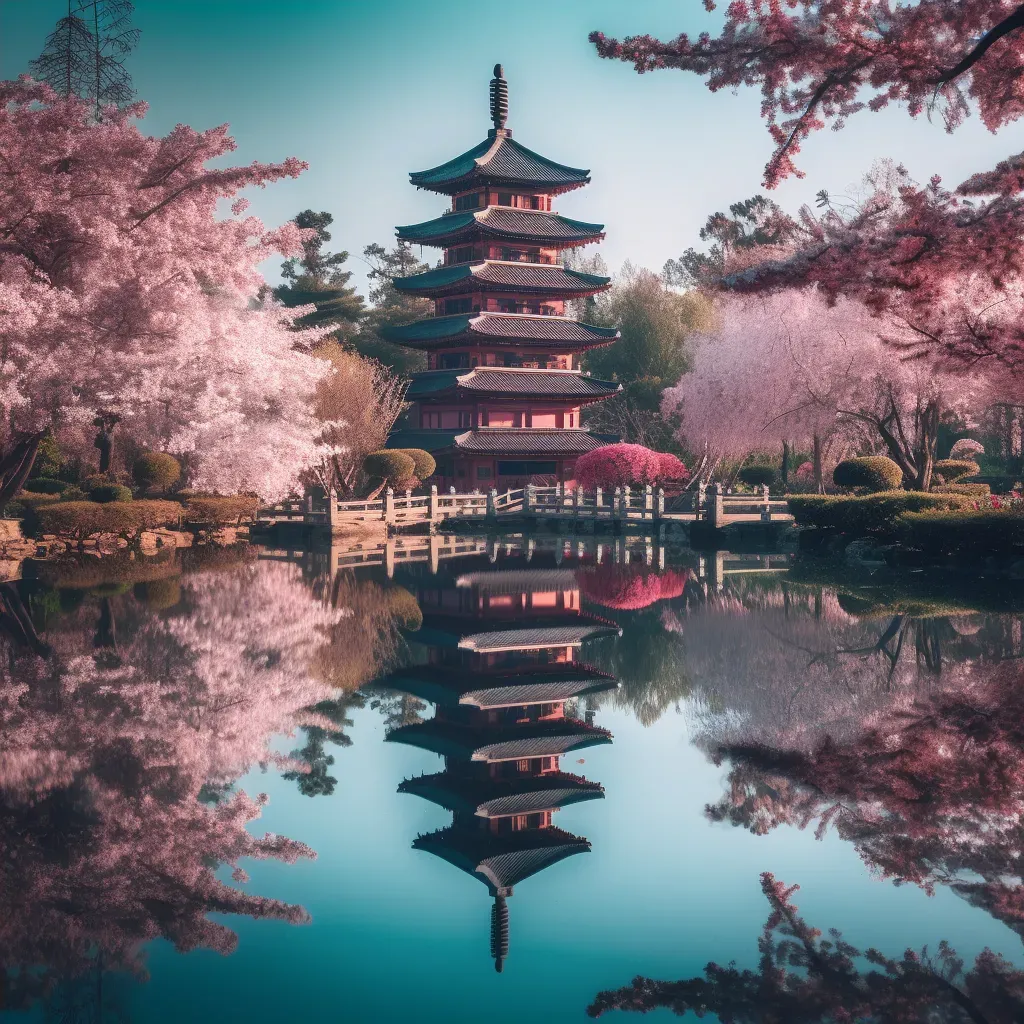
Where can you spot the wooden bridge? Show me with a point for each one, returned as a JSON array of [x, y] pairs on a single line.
[[711, 505], [396, 552]]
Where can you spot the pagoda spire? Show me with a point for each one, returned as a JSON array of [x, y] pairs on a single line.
[[499, 930], [499, 98]]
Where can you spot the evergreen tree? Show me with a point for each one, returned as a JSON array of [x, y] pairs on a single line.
[[85, 53], [317, 278]]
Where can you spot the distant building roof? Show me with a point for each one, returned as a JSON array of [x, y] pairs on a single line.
[[499, 160], [501, 276], [496, 441], [503, 223], [519, 382], [500, 328]]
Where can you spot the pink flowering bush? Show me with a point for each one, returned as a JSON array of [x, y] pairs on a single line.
[[627, 465]]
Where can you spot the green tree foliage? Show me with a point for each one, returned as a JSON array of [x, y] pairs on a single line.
[[389, 307], [49, 459], [749, 223], [656, 324], [423, 462], [390, 466], [317, 278], [873, 472]]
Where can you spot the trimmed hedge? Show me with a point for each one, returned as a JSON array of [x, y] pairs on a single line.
[[156, 469], [81, 518], [29, 499], [875, 472], [390, 464], [47, 485], [110, 492], [869, 513], [972, 490], [993, 532], [232, 508], [952, 470], [423, 462]]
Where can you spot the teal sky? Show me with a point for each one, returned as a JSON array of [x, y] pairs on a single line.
[[368, 90]]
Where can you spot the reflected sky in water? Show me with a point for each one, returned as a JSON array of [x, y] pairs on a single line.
[[263, 785]]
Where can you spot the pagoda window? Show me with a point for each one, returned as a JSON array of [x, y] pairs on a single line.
[[506, 199], [453, 361], [516, 468], [469, 202], [461, 254], [536, 202], [547, 420], [504, 418], [458, 306], [483, 472]]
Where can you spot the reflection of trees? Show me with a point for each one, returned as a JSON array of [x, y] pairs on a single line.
[[785, 666], [930, 793], [648, 662], [115, 772], [802, 979], [362, 643]]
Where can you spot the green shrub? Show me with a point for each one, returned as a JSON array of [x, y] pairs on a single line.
[[971, 490], [232, 508], [874, 472], [423, 462], [110, 492], [73, 493], [81, 518], [159, 594], [29, 499], [46, 485], [97, 480], [156, 470], [49, 461], [972, 533], [394, 466], [869, 513], [758, 476], [952, 470]]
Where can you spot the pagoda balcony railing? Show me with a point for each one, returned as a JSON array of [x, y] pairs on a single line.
[[508, 256]]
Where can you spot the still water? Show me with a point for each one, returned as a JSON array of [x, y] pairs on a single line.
[[491, 780]]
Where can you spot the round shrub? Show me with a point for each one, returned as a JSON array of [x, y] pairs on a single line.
[[73, 493], [671, 468], [618, 465], [156, 470], [110, 492], [97, 480], [46, 485], [974, 490], [966, 448], [758, 476], [423, 462], [952, 470], [872, 472], [391, 465]]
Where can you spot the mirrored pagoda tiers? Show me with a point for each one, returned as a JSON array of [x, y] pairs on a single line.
[[500, 402], [501, 663]]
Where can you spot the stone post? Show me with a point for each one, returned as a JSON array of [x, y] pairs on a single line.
[[702, 499], [659, 508], [577, 500], [715, 506], [389, 506], [434, 513], [528, 497], [624, 506], [333, 519], [597, 502], [648, 502], [492, 509], [617, 502], [389, 557]]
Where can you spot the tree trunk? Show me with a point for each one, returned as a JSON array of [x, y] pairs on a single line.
[[819, 483], [785, 466], [927, 439], [16, 465]]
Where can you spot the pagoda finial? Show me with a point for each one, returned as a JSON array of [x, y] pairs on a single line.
[[499, 98], [499, 932]]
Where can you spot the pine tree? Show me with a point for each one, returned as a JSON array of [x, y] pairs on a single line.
[[85, 53], [316, 278]]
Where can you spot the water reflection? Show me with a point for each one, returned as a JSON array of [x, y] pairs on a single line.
[[500, 662], [134, 694]]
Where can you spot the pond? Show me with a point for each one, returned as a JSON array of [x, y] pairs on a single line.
[[487, 779]]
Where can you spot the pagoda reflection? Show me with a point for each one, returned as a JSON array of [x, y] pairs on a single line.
[[502, 667]]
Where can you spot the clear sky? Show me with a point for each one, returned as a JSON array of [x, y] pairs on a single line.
[[368, 90]]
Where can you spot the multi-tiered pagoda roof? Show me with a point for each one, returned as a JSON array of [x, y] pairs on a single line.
[[502, 349]]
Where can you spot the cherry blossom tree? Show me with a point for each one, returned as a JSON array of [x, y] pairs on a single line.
[[803, 978], [947, 263], [790, 366], [121, 290]]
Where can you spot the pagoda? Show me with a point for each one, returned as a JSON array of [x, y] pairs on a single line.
[[500, 402], [501, 665]]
